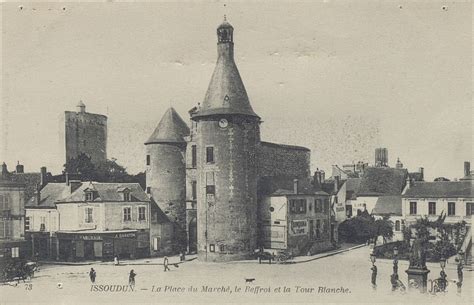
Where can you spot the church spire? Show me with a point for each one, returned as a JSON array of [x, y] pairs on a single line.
[[226, 93]]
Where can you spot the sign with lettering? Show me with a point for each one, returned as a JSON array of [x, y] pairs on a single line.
[[298, 227], [125, 235]]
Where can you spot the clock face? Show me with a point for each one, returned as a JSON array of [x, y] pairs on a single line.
[[223, 123]]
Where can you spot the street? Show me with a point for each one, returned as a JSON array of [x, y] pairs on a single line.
[[344, 277]]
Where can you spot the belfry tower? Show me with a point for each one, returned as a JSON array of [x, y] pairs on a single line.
[[227, 137]]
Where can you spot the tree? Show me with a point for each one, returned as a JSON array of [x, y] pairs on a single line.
[[108, 171], [384, 228], [441, 179]]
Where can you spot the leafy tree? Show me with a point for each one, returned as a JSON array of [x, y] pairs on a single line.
[[365, 227], [108, 171], [383, 227]]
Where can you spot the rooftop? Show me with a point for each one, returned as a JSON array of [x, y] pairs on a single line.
[[441, 189], [388, 205], [170, 129], [379, 181]]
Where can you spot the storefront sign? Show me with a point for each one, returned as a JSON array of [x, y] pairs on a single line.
[[299, 227], [125, 235], [90, 237]]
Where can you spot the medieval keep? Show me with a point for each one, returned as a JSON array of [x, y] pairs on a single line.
[[211, 178], [86, 133]]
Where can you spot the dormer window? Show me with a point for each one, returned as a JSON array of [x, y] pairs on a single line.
[[89, 196], [126, 196]]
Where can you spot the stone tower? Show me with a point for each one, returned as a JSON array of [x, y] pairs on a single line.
[[227, 136], [166, 171], [86, 133]]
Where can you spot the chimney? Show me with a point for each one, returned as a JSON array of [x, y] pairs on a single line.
[[43, 176], [336, 183], [323, 176], [19, 168], [421, 170], [295, 186], [75, 184], [467, 168], [317, 178], [4, 171], [38, 194]]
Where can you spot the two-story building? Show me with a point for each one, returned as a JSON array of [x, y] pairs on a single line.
[[91, 220], [12, 209], [295, 218]]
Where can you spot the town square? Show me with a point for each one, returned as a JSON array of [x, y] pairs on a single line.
[[236, 153]]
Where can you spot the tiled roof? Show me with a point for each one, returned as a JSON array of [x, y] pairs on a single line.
[[441, 189], [388, 205], [160, 215], [171, 129], [352, 187], [226, 92], [328, 186], [282, 186], [51, 193], [269, 144], [107, 192], [378, 181]]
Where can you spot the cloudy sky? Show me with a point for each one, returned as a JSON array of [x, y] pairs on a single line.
[[339, 77]]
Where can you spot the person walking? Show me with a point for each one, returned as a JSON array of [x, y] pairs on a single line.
[[116, 261], [131, 278], [92, 275], [165, 264], [374, 276]]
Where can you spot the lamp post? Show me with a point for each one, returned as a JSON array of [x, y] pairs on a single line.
[[394, 276], [374, 271], [460, 260], [442, 275]]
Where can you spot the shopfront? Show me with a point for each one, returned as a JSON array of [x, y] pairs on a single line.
[[105, 245]]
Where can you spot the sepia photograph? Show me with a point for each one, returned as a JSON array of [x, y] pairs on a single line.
[[236, 152]]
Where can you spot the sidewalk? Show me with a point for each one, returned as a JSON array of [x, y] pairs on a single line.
[[304, 259], [125, 262]]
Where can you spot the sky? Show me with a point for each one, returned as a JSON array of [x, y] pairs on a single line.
[[338, 77]]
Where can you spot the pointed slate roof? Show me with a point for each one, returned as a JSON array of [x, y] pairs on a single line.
[[171, 129], [226, 93]]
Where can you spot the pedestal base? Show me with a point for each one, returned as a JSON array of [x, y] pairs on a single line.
[[417, 279]]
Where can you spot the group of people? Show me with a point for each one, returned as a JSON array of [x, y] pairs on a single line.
[[132, 274]]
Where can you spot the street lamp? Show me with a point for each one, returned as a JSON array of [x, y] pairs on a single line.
[[442, 274], [460, 260], [374, 271], [394, 277]]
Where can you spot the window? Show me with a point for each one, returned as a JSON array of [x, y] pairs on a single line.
[[27, 223], [432, 208], [310, 206], [221, 248], [127, 214], [210, 154], [298, 206], [141, 213], [212, 248], [318, 228], [469, 208], [126, 196], [88, 215], [147, 159], [4, 205], [397, 225], [5, 228], [412, 208], [148, 190], [193, 156], [318, 206], [89, 196], [451, 208], [325, 206], [193, 190]]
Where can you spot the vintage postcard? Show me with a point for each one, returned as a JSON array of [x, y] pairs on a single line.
[[247, 152]]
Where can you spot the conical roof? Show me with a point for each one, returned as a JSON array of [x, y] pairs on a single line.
[[171, 129], [226, 93]]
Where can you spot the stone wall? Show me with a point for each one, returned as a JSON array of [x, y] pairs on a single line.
[[86, 133], [283, 160]]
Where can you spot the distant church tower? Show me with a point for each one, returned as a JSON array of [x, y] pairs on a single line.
[[227, 136], [86, 133], [166, 171]]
